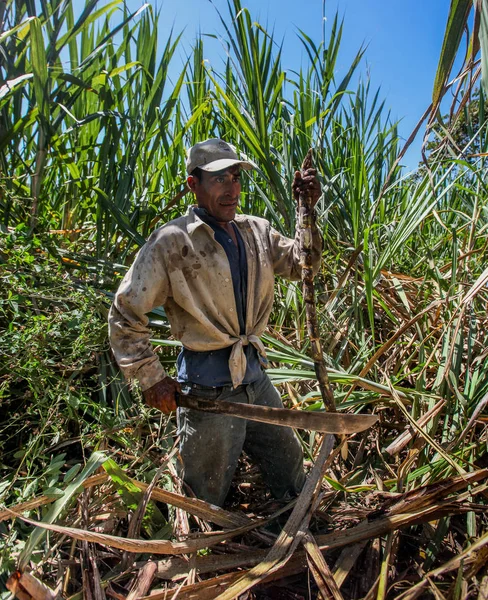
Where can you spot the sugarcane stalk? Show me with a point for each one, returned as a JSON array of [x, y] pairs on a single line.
[[306, 215]]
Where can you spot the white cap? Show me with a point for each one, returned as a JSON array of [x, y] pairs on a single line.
[[214, 155]]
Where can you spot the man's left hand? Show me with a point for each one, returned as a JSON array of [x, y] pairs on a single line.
[[308, 182]]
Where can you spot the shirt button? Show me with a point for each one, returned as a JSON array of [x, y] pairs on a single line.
[[230, 240], [231, 309], [227, 279]]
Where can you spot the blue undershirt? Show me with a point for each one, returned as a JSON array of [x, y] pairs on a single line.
[[212, 368]]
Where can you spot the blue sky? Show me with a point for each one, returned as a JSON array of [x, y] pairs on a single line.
[[403, 38]]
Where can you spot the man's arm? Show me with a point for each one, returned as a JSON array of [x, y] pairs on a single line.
[[286, 251], [145, 286]]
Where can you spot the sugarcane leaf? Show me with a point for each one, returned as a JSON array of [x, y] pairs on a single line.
[[458, 15], [95, 461], [483, 40], [39, 67]]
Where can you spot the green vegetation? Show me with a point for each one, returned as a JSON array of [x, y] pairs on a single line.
[[94, 123]]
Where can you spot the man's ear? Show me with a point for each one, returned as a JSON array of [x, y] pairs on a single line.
[[192, 182]]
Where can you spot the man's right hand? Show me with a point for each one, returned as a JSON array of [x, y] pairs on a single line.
[[162, 395]]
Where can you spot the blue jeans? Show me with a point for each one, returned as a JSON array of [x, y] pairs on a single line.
[[210, 444]]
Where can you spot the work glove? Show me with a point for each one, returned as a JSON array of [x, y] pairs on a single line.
[[162, 395]]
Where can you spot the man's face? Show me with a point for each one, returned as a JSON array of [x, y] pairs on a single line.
[[218, 192]]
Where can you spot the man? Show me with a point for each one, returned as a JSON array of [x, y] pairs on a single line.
[[213, 271]]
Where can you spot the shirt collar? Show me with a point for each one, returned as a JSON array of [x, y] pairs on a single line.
[[199, 216], [194, 220], [205, 216]]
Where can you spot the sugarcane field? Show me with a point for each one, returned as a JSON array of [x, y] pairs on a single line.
[[243, 300]]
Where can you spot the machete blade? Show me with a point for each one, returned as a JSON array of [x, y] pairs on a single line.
[[299, 419]]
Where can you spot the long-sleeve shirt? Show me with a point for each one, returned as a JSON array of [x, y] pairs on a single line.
[[183, 268], [211, 368]]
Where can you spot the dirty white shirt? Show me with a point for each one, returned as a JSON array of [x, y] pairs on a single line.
[[183, 269]]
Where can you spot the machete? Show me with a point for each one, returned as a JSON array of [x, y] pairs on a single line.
[[325, 422]]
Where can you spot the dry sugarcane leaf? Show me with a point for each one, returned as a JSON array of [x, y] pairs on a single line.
[[364, 530], [402, 440], [425, 435], [329, 305], [389, 343], [465, 558], [324, 593], [196, 507], [476, 413], [435, 591], [199, 508], [26, 506], [155, 547], [14, 586], [27, 587], [211, 588], [427, 494], [480, 562], [381, 525], [296, 564], [136, 521], [483, 592], [114, 590], [320, 570], [376, 528], [181, 523], [277, 555], [42, 500], [176, 568], [373, 587], [368, 583], [92, 585], [346, 561], [143, 581], [204, 590], [478, 285]]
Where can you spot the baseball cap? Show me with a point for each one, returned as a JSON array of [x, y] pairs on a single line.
[[214, 155]]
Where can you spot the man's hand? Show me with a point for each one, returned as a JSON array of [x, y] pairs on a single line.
[[308, 182], [162, 395]]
